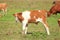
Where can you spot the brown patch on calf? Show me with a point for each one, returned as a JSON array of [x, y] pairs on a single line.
[[35, 14]]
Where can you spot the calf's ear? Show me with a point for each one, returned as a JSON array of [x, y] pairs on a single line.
[[13, 14], [54, 2]]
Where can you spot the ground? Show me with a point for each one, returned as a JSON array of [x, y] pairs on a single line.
[[10, 30]]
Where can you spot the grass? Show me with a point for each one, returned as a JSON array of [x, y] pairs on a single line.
[[10, 30]]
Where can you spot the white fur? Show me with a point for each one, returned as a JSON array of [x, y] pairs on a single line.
[[47, 29], [26, 30], [39, 19], [16, 18], [26, 14], [39, 10], [24, 22]]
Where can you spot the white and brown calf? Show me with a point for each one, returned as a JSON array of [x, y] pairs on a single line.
[[34, 16]]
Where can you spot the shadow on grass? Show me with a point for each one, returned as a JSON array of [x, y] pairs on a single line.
[[37, 34]]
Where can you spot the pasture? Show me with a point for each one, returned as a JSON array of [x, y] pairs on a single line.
[[10, 30]]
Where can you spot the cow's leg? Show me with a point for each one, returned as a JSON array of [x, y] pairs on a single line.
[[26, 29], [43, 21], [46, 26], [24, 26], [4, 11]]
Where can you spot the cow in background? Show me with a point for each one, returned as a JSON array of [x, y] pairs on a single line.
[[59, 22], [3, 7], [54, 9], [34, 16], [56, 2]]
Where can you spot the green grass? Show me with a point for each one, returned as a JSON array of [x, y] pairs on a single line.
[[10, 30]]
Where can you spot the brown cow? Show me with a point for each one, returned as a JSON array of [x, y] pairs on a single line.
[[54, 9], [34, 16], [3, 7], [56, 2]]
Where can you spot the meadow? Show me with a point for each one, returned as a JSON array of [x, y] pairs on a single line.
[[10, 30]]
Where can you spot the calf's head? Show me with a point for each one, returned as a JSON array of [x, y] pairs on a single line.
[[18, 17]]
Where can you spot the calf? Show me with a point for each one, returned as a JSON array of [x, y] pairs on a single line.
[[3, 7], [34, 16]]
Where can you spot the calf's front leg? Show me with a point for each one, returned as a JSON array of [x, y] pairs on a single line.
[[24, 23]]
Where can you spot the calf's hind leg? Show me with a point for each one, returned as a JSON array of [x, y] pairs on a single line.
[[43, 21], [46, 27]]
